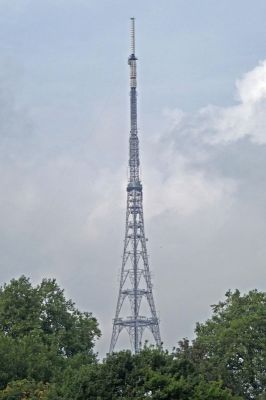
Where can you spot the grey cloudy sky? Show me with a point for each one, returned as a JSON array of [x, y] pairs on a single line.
[[63, 149]]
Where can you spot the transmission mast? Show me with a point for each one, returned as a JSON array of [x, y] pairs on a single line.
[[135, 282]]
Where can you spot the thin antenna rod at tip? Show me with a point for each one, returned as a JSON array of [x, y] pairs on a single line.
[[132, 35]]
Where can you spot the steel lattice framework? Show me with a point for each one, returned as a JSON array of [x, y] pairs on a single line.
[[135, 281]]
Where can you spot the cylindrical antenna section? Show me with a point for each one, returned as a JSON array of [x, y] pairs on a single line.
[[132, 35]]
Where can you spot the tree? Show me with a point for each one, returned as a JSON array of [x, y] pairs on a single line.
[[231, 345], [24, 389], [41, 333], [46, 352], [153, 374]]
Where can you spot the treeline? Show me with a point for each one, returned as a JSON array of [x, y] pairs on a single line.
[[46, 352]]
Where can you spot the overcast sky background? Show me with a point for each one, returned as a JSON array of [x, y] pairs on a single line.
[[64, 121]]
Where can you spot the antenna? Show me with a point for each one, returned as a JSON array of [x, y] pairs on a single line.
[[135, 279], [132, 35]]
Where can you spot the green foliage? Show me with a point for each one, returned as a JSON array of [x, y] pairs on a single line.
[[82, 383], [232, 344], [212, 391], [152, 374], [41, 333], [46, 352], [24, 389]]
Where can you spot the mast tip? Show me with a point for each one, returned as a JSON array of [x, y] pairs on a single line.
[[132, 35]]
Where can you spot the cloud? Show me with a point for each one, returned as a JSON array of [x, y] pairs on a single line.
[[174, 186], [63, 199], [220, 125], [206, 204], [252, 87]]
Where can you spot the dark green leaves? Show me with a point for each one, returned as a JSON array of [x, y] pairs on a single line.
[[232, 343], [41, 333]]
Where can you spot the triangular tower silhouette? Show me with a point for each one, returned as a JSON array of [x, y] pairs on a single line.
[[135, 281]]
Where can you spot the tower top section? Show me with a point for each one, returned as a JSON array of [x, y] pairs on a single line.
[[132, 36], [134, 178], [132, 58]]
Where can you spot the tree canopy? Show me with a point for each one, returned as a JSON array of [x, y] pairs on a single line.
[[231, 345], [47, 352], [41, 333]]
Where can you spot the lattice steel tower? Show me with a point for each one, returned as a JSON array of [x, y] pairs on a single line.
[[135, 281]]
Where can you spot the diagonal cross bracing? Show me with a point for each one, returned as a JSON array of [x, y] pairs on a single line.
[[135, 282]]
